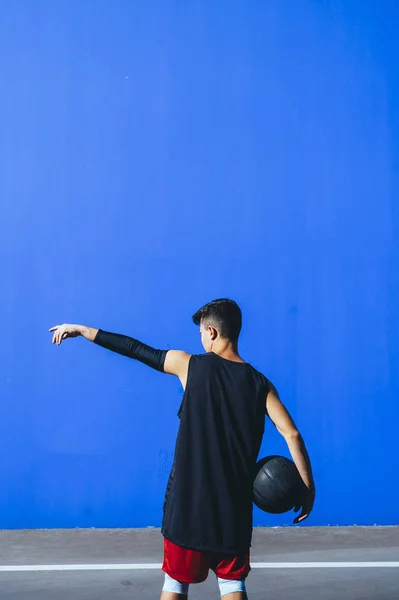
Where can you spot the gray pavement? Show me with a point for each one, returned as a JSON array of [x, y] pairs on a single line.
[[271, 545]]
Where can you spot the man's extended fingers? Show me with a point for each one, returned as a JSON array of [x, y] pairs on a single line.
[[55, 335]]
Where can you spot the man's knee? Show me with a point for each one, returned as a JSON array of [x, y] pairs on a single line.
[[175, 587], [231, 586]]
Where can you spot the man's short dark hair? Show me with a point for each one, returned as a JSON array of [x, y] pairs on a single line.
[[223, 314]]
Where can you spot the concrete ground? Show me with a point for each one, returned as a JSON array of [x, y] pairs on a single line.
[[288, 563]]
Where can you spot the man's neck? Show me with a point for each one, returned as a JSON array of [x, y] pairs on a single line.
[[228, 350]]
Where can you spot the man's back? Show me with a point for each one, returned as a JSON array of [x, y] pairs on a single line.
[[208, 504]]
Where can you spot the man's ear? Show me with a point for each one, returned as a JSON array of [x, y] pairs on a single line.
[[213, 333]]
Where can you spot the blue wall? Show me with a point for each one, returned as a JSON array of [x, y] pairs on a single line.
[[155, 155]]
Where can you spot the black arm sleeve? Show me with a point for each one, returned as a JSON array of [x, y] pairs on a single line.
[[131, 348]]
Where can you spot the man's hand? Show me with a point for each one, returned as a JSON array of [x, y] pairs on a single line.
[[306, 505], [63, 332]]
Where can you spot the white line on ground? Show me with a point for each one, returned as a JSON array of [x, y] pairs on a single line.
[[156, 566]]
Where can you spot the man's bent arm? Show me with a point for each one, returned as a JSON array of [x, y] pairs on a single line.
[[287, 428]]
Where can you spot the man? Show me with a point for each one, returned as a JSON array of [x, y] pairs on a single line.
[[207, 521]]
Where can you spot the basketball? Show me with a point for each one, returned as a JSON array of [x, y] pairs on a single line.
[[278, 487]]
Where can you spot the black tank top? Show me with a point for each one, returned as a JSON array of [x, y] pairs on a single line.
[[208, 502]]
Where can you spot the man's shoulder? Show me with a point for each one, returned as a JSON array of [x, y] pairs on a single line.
[[261, 378]]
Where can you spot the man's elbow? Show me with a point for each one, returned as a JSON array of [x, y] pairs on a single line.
[[292, 435]]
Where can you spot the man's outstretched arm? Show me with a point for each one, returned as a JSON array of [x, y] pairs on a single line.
[[173, 362]]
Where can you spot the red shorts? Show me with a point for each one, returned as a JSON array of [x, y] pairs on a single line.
[[192, 566]]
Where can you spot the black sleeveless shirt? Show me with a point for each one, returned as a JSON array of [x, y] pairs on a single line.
[[208, 502]]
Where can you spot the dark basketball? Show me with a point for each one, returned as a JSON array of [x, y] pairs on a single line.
[[278, 487]]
